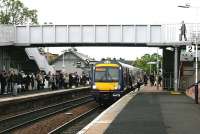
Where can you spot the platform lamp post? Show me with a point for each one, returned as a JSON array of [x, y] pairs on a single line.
[[196, 53], [48, 54], [157, 70], [63, 60]]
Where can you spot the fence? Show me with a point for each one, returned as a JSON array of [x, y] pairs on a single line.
[[7, 35]]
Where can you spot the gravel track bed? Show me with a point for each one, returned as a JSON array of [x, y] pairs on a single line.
[[78, 126], [48, 124]]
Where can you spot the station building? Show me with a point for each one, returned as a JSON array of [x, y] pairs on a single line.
[[72, 61]]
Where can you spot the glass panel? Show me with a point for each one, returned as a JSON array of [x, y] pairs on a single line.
[[113, 74], [103, 74], [100, 74]]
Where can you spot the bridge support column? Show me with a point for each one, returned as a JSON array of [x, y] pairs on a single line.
[[176, 68]]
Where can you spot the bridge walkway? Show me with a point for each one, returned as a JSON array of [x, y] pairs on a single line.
[[149, 112]]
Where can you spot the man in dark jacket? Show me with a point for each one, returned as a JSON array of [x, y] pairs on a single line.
[[70, 80], [139, 83], [3, 81], [15, 83], [183, 31], [1, 77], [27, 82], [145, 79]]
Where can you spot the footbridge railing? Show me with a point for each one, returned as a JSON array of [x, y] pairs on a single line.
[[56, 35], [7, 35]]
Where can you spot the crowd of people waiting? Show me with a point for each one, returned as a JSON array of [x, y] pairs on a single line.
[[154, 80], [13, 81]]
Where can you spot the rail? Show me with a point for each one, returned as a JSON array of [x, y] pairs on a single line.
[[60, 129], [12, 123]]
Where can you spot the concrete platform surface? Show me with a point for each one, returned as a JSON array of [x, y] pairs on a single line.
[[38, 94], [150, 113]]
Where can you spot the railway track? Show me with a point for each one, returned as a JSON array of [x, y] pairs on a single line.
[[70, 123], [21, 120]]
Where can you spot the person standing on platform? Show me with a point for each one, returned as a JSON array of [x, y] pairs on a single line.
[[53, 82], [145, 79], [1, 77], [16, 83], [76, 79], [139, 83], [152, 79], [27, 82], [66, 80], [11, 79], [19, 81], [39, 80], [159, 80], [70, 80], [32, 81], [3, 82]]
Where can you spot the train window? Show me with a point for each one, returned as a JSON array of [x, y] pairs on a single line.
[[113, 74], [100, 69], [103, 74], [100, 74]]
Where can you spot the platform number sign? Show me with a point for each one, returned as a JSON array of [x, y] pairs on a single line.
[[190, 49]]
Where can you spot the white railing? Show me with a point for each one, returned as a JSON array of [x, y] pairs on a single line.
[[66, 34], [41, 61], [171, 32], [7, 35]]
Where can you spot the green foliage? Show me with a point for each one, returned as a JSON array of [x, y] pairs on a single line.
[[142, 62], [14, 12]]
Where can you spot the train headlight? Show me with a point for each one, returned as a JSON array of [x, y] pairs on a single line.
[[117, 87], [94, 87]]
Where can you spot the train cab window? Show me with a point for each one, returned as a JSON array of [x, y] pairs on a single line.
[[103, 74], [113, 74], [100, 74]]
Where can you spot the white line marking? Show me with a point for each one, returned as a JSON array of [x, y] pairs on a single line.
[[97, 119]]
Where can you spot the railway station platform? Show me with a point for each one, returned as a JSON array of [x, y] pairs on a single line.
[[37, 94], [148, 111]]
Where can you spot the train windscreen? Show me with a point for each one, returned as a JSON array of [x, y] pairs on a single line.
[[106, 74]]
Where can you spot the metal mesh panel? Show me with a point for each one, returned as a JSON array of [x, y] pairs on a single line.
[[171, 32], [7, 34]]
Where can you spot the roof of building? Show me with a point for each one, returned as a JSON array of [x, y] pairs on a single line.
[[83, 57]]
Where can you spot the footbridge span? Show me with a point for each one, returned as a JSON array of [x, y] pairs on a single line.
[[94, 35], [163, 35]]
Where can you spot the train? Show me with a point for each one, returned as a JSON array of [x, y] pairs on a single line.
[[112, 79]]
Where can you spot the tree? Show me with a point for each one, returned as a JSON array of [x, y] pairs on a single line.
[[142, 62], [14, 12]]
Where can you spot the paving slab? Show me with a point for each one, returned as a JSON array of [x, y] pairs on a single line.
[[157, 113]]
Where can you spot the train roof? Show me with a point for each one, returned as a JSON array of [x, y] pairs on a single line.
[[128, 66], [119, 63]]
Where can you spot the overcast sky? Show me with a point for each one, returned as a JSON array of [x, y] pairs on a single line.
[[113, 12]]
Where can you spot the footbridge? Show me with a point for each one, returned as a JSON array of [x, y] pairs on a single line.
[[95, 35], [163, 35]]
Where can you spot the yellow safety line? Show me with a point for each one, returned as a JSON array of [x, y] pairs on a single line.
[[175, 93]]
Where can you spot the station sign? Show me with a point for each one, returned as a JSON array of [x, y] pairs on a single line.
[[190, 49], [188, 56]]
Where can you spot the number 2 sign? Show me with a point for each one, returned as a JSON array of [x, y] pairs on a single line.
[[190, 49]]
